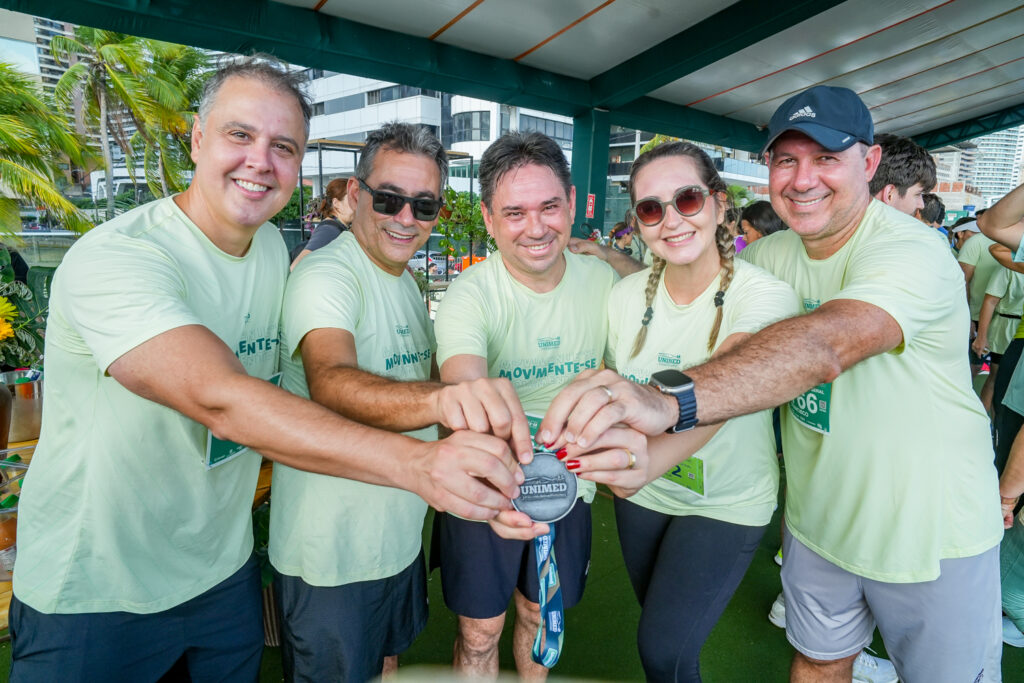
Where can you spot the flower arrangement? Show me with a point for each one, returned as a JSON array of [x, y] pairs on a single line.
[[22, 320], [21, 326]]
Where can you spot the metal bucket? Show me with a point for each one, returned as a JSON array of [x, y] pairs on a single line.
[[27, 409]]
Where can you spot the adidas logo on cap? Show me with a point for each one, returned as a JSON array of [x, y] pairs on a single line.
[[803, 112]]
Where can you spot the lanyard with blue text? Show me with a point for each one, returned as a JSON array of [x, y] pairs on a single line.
[[552, 619]]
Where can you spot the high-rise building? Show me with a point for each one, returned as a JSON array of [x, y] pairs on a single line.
[[955, 163], [17, 42], [998, 167]]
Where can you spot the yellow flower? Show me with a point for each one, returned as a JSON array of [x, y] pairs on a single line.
[[7, 310], [6, 331]]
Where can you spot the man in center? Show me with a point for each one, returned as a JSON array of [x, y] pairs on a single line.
[[535, 314]]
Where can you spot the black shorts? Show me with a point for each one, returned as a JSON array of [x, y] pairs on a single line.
[[479, 569], [343, 633], [217, 635]]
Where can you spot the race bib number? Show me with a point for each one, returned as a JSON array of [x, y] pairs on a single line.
[[811, 408], [220, 451], [689, 474]]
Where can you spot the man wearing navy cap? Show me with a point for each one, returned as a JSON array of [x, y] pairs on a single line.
[[892, 515]]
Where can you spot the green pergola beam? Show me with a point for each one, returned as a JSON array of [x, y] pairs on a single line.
[[734, 28], [657, 116], [309, 38], [972, 128], [302, 36]]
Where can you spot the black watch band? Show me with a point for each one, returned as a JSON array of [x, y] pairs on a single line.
[[679, 386], [687, 412]]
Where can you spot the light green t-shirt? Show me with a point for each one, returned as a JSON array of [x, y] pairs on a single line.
[[328, 530], [119, 511], [1014, 398], [975, 253], [735, 476], [540, 342], [1008, 285], [904, 477]]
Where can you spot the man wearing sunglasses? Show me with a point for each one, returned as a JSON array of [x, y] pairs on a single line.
[[356, 338], [892, 515], [536, 314]]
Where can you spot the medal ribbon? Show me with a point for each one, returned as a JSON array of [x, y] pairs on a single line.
[[552, 618]]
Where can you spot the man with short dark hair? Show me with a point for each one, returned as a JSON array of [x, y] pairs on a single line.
[[136, 546], [891, 510], [905, 172], [535, 313]]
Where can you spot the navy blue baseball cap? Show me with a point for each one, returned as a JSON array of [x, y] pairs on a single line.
[[835, 118]]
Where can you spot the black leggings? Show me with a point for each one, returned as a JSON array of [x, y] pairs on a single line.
[[1007, 421], [684, 570]]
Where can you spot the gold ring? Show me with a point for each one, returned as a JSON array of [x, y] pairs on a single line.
[[611, 396], [632, 459]]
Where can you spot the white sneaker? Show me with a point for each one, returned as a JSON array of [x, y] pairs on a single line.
[[870, 669], [777, 615], [778, 557], [1011, 634]]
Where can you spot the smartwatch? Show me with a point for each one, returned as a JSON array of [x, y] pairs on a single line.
[[679, 386]]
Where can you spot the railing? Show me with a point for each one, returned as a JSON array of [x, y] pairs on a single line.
[[737, 167]]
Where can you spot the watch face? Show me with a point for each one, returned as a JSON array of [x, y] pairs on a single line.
[[671, 379]]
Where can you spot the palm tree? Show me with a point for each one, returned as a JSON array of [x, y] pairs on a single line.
[[165, 139], [34, 139], [110, 78]]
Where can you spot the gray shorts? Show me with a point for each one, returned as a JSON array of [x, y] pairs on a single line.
[[948, 629]]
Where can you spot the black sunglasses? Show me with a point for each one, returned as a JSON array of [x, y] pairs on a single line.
[[389, 203], [687, 201]]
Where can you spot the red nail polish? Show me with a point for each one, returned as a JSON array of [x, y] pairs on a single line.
[[549, 445], [561, 453], [572, 465]]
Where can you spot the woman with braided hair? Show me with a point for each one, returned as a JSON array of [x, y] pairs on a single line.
[[689, 534]]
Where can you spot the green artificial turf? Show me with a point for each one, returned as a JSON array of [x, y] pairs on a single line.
[[601, 631]]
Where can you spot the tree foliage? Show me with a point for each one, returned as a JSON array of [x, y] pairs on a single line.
[[462, 223], [34, 141], [115, 82]]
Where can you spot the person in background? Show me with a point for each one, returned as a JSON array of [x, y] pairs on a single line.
[[962, 229], [337, 215], [759, 220], [978, 265], [904, 174], [621, 261], [998, 321], [622, 238], [933, 213]]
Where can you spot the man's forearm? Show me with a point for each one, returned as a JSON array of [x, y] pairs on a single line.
[[303, 435], [789, 357], [377, 401], [988, 308], [623, 264]]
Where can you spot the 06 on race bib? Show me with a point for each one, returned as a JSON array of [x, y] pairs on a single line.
[[812, 407]]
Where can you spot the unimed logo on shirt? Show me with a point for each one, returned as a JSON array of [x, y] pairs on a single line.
[[548, 342], [671, 359], [402, 330]]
